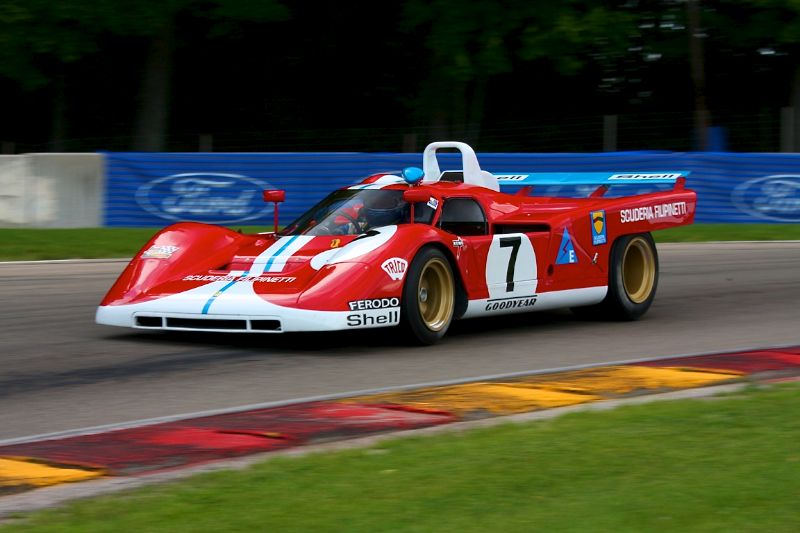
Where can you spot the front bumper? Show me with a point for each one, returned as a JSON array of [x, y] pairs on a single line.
[[237, 309], [290, 320]]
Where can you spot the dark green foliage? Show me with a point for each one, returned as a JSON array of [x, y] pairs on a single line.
[[278, 74]]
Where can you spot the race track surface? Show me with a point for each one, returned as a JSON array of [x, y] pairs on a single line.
[[61, 371]]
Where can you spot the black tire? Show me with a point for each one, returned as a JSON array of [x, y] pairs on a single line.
[[429, 297], [632, 280]]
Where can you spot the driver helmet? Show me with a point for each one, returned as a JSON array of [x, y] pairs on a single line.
[[384, 208]]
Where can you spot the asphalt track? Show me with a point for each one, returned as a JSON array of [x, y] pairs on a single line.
[[60, 371]]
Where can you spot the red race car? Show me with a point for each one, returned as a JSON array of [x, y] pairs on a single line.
[[417, 251]]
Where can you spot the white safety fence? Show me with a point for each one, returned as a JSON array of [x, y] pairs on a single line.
[[51, 190]]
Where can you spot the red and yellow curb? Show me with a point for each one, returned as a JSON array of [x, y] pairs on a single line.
[[26, 472], [549, 390], [188, 442], [494, 398]]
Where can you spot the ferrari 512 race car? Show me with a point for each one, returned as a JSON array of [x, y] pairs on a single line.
[[416, 250]]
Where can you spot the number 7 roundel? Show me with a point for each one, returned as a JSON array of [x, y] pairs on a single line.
[[511, 266]]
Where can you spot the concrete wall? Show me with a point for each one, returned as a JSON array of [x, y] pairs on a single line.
[[51, 190]]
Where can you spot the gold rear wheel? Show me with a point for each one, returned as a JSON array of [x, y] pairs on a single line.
[[436, 294], [632, 279], [638, 270]]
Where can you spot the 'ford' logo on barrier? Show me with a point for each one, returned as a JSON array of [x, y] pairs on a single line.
[[204, 197], [773, 197]]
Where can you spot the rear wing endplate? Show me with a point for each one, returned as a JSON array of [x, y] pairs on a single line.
[[591, 178]]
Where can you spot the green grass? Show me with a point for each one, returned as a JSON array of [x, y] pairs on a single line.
[[729, 232], [30, 244], [19, 244], [732, 464]]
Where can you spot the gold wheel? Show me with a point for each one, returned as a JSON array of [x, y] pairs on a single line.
[[638, 270], [435, 294]]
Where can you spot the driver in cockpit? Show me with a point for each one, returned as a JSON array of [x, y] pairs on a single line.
[[382, 210]]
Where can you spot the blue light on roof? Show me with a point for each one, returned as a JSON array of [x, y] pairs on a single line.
[[413, 175]]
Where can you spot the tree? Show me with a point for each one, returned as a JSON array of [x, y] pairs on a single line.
[[470, 43], [762, 35], [162, 16], [39, 40]]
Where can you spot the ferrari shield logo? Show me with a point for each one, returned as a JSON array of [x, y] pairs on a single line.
[[598, 227]]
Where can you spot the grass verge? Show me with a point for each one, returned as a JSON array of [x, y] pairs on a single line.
[[88, 243], [26, 244], [730, 232], [732, 464]]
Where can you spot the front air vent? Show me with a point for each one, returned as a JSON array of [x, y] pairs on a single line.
[[266, 325], [210, 324], [149, 321], [207, 323]]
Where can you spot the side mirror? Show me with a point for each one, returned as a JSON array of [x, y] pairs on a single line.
[[274, 195], [413, 196], [277, 196]]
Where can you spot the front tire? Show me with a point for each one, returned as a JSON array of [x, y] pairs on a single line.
[[428, 297]]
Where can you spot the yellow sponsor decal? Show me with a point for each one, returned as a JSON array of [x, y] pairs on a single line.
[[20, 471]]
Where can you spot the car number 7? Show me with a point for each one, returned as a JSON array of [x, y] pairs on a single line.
[[514, 243]]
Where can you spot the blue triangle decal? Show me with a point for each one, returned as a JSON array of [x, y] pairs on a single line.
[[566, 252]]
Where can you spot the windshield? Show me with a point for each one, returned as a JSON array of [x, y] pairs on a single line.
[[355, 211]]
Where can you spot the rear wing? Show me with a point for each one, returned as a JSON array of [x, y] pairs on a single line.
[[593, 178]]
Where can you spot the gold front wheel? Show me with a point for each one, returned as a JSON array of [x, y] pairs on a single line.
[[429, 295], [435, 294]]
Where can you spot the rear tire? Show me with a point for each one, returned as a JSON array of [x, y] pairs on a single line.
[[428, 297], [632, 280]]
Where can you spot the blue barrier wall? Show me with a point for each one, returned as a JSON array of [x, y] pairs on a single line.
[[155, 189]]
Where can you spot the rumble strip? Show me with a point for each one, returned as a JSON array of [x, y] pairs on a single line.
[[149, 447]]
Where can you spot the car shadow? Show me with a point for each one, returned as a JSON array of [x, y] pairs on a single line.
[[162, 353], [339, 341]]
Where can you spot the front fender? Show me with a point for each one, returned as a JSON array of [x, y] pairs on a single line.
[[379, 273], [174, 252]]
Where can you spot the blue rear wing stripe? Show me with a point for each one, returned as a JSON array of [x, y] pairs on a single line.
[[590, 178]]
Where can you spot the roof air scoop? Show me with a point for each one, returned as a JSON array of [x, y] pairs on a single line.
[[473, 175]]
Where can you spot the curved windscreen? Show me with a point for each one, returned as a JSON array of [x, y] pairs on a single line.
[[355, 211]]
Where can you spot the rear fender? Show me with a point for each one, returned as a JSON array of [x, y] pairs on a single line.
[[595, 226], [650, 212]]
